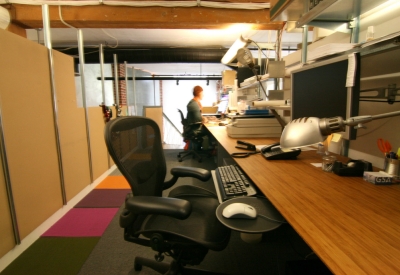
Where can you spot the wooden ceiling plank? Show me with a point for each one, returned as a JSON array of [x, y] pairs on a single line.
[[143, 17]]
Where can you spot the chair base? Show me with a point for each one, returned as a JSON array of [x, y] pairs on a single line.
[[193, 153], [169, 269]]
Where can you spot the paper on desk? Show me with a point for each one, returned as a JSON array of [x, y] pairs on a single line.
[[319, 165], [336, 137]]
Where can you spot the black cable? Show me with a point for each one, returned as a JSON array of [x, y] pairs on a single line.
[[295, 250], [244, 154], [270, 219]]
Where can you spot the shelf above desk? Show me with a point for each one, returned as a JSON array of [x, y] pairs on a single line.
[[254, 84], [384, 76], [281, 107]]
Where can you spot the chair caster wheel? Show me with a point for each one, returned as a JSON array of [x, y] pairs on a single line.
[[137, 267], [179, 155], [200, 160], [180, 160]]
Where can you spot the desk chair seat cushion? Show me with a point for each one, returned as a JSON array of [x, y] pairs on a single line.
[[200, 228]]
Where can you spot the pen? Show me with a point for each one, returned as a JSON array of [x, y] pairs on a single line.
[[392, 155]]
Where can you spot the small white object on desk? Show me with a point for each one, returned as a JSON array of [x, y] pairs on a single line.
[[318, 165], [378, 178]]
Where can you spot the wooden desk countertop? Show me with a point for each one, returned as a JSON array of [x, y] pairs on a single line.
[[352, 225]]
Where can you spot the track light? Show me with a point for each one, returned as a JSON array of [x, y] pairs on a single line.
[[208, 82], [177, 82]]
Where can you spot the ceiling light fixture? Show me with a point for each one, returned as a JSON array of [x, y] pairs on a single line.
[[231, 53], [5, 18]]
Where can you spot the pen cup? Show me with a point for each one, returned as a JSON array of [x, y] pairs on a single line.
[[392, 166], [327, 163]]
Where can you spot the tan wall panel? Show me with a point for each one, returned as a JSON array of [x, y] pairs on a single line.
[[29, 130], [156, 114], [97, 143], [72, 128], [124, 110], [6, 230]]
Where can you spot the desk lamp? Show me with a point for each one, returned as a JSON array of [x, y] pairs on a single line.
[[310, 130], [231, 53]]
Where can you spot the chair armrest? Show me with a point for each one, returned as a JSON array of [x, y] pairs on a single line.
[[198, 173], [181, 172], [145, 205]]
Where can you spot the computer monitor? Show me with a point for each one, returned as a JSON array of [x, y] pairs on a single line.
[[222, 106], [319, 90]]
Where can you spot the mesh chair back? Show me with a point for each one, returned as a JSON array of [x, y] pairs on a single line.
[[190, 132], [134, 143]]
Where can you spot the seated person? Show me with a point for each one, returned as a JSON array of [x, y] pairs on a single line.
[[194, 107], [194, 110]]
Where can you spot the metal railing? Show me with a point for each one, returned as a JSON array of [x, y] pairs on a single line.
[[172, 135]]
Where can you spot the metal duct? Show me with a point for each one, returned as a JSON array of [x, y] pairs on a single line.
[[152, 55]]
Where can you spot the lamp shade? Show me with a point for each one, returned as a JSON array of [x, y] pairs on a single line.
[[231, 53], [245, 57], [301, 132]]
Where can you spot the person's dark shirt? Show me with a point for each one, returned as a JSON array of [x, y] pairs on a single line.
[[193, 112]]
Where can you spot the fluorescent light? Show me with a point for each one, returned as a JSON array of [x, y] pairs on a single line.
[[231, 53], [4, 18]]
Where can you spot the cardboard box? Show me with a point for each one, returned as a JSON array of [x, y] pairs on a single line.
[[276, 69], [228, 77]]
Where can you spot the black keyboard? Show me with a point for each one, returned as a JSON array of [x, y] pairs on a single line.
[[232, 182]]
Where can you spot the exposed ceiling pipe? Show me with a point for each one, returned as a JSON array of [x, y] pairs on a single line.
[[177, 77], [174, 55]]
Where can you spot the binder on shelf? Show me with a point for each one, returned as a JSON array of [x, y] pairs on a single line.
[[256, 112]]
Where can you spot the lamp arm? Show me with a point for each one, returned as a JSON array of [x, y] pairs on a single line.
[[359, 120], [354, 121], [396, 113]]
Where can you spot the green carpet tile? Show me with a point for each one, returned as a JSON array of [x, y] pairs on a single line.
[[53, 256]]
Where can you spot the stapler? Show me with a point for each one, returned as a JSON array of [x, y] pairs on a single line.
[[245, 145]]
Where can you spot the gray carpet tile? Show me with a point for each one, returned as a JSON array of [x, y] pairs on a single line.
[[113, 255]]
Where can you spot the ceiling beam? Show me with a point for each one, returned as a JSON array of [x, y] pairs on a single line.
[[117, 17]]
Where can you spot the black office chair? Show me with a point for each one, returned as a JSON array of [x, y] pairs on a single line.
[[183, 225], [192, 134]]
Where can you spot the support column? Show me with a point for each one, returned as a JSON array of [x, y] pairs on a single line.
[[84, 101], [7, 179], [47, 43], [304, 45]]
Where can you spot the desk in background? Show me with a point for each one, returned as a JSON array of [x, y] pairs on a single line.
[[352, 225]]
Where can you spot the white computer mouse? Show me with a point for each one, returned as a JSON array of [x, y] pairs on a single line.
[[239, 211]]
